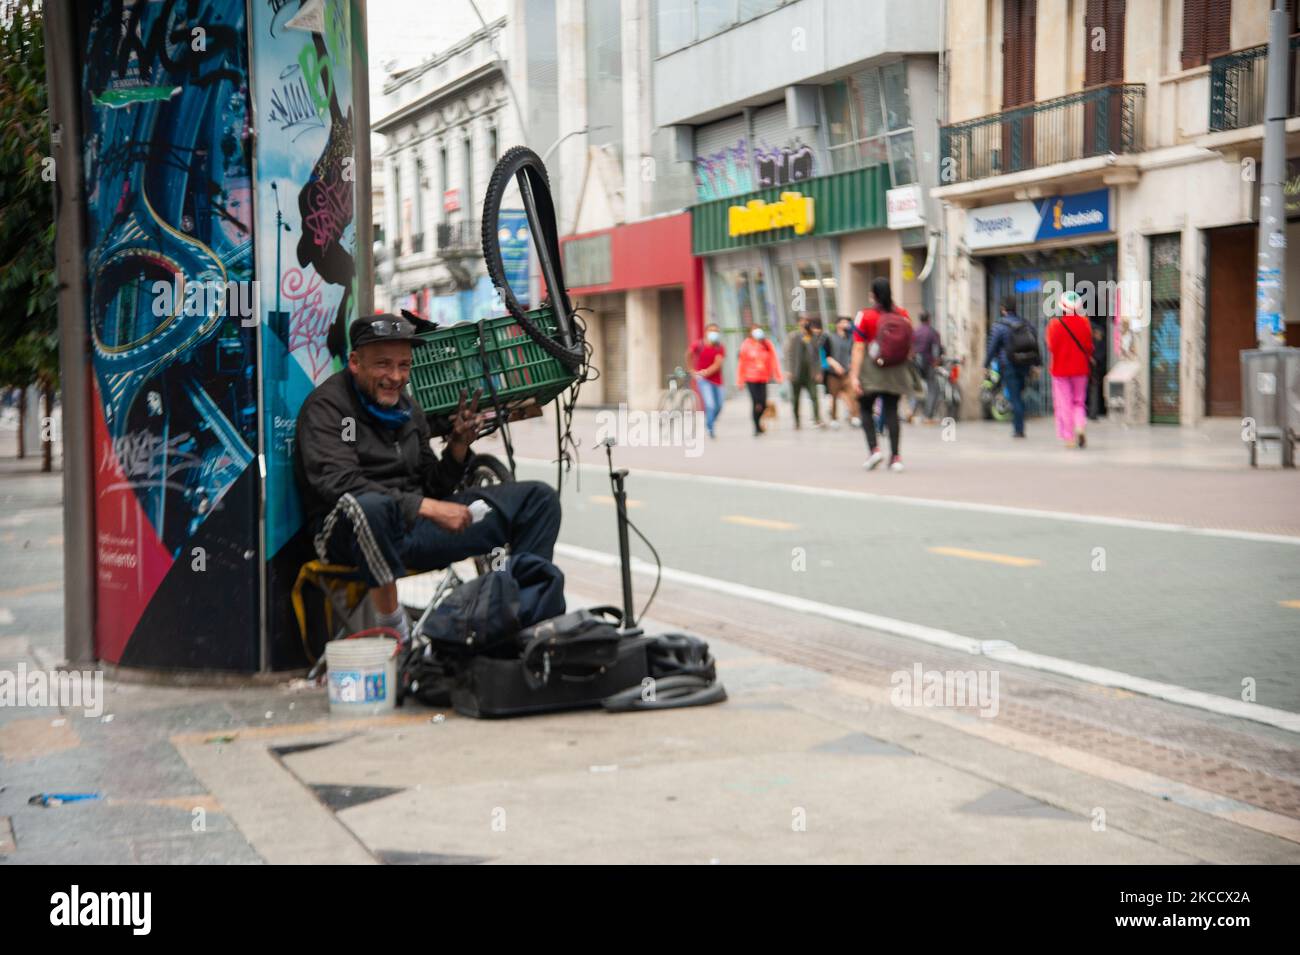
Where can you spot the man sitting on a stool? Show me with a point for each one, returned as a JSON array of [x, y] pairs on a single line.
[[376, 495]]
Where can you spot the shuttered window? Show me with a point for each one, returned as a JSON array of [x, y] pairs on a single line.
[[1019, 36], [1103, 23], [1207, 30]]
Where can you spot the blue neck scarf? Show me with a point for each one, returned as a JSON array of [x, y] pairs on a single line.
[[389, 417]]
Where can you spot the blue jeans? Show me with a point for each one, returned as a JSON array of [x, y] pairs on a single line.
[[367, 531], [1013, 383], [712, 394]]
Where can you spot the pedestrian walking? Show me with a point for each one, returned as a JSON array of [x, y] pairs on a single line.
[[882, 369], [1070, 344], [1013, 344], [705, 361], [803, 365], [756, 365], [927, 349], [838, 351], [1097, 379]]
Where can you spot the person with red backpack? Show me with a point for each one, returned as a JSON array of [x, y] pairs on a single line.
[[1070, 343], [881, 368]]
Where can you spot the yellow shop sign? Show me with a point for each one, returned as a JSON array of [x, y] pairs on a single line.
[[794, 209]]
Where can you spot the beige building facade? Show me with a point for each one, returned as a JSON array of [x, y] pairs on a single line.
[[1115, 146]]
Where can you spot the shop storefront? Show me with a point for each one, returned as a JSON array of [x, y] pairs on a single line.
[[642, 291], [808, 246], [1030, 252]]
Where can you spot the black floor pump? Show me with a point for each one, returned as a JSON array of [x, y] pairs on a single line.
[[616, 479]]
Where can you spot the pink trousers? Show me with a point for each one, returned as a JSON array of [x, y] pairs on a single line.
[[1069, 396]]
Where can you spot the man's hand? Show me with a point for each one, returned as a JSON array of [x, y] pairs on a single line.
[[448, 515], [857, 388], [465, 426]]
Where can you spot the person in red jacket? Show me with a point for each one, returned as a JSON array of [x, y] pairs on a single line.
[[757, 365], [1070, 342]]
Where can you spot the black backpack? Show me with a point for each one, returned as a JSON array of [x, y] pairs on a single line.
[[1022, 345]]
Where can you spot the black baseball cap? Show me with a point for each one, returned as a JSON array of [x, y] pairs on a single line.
[[407, 327]]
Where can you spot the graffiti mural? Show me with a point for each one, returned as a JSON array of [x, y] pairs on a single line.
[[733, 170], [782, 165], [169, 219], [726, 172], [302, 68]]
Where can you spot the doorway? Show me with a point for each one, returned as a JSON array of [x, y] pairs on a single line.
[[1229, 315]]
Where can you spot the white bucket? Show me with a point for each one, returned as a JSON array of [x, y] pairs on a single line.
[[362, 675]]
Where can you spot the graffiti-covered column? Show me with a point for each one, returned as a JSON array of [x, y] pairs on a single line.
[[302, 56], [172, 314], [220, 274]]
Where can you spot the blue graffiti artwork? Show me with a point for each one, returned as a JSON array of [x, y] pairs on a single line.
[[1165, 335], [724, 173], [169, 254]]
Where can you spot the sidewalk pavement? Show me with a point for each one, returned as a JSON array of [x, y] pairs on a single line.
[[1198, 477], [809, 760]]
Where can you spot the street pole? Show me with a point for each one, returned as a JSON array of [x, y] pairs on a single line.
[[1270, 278]]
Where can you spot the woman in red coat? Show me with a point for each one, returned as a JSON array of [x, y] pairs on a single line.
[[1069, 340]]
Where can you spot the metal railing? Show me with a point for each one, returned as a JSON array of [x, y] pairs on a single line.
[[417, 242], [460, 238], [1237, 84], [1094, 122]]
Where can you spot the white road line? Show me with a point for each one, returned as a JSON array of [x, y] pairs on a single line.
[[807, 490], [999, 650], [6, 616]]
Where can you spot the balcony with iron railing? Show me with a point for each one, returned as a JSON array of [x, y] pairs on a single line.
[[1094, 122], [461, 239], [1237, 84]]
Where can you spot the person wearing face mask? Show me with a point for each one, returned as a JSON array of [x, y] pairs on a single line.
[[705, 360], [756, 366]]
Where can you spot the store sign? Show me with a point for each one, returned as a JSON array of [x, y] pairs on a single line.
[[794, 209], [451, 200], [903, 206], [588, 261], [1019, 223]]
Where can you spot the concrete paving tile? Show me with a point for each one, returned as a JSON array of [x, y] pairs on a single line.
[[1005, 802]]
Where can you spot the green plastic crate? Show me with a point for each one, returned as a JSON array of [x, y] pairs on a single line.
[[520, 370]]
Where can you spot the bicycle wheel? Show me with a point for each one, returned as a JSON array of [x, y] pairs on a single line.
[[522, 165]]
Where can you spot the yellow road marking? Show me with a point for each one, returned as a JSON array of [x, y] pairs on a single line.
[[607, 499], [759, 522], [984, 555], [32, 589], [1293, 604]]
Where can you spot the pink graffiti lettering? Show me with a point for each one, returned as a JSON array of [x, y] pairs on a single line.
[[310, 321]]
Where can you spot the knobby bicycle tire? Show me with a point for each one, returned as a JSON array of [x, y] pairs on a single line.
[[522, 164]]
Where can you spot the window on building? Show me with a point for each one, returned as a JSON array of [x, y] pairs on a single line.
[[417, 197], [674, 25], [1207, 29], [443, 177], [1103, 22], [869, 122], [493, 148], [679, 23], [1019, 38], [466, 201], [397, 201], [713, 16], [604, 29]]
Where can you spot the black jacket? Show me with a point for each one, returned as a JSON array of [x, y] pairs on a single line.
[[398, 461]]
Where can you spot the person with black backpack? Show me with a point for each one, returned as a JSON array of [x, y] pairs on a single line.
[[1013, 343]]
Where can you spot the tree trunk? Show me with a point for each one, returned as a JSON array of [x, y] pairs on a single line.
[[22, 422], [47, 428]]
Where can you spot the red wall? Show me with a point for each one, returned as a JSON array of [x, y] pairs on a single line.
[[650, 254]]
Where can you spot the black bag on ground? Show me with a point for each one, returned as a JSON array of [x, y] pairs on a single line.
[[479, 616], [570, 662], [484, 614]]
